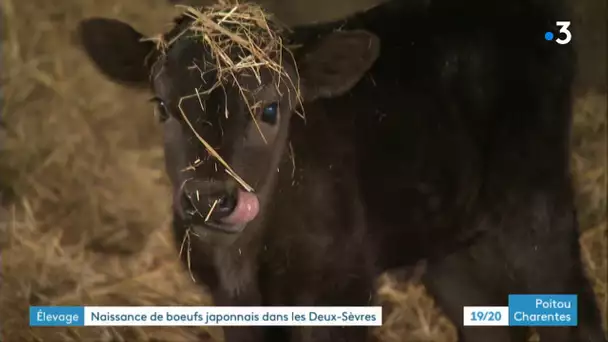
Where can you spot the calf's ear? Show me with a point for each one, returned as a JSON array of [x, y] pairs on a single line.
[[117, 50], [337, 63]]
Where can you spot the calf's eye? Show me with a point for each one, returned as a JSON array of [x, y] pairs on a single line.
[[161, 109], [270, 113]]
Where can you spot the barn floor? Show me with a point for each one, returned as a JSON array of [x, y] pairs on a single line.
[[87, 221]]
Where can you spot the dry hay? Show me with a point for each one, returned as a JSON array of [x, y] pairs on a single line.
[[90, 220], [590, 167]]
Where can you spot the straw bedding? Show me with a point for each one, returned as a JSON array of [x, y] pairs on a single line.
[[89, 220]]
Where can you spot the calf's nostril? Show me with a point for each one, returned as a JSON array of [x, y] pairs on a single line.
[[225, 205], [210, 204]]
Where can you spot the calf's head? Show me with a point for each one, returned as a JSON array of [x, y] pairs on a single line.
[[225, 109]]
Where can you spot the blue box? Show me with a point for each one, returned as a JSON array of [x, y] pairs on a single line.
[[543, 310], [56, 316]]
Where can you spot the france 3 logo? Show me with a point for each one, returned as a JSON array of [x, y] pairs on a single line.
[[563, 36]]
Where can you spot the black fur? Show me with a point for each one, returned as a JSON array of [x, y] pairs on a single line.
[[452, 149]]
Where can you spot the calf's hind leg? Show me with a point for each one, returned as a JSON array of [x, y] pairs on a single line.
[[537, 252], [462, 280]]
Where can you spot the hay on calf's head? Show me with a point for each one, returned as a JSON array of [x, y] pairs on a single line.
[[241, 38]]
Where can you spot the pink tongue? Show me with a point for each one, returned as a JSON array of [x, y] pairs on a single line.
[[247, 208]]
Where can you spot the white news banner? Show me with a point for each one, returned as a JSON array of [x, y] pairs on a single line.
[[205, 316], [358, 316]]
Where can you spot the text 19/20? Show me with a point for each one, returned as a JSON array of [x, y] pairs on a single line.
[[485, 316], [489, 316]]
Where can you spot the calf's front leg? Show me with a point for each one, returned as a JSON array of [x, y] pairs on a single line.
[[229, 275]]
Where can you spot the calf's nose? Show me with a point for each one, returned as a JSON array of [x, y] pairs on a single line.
[[218, 203]]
